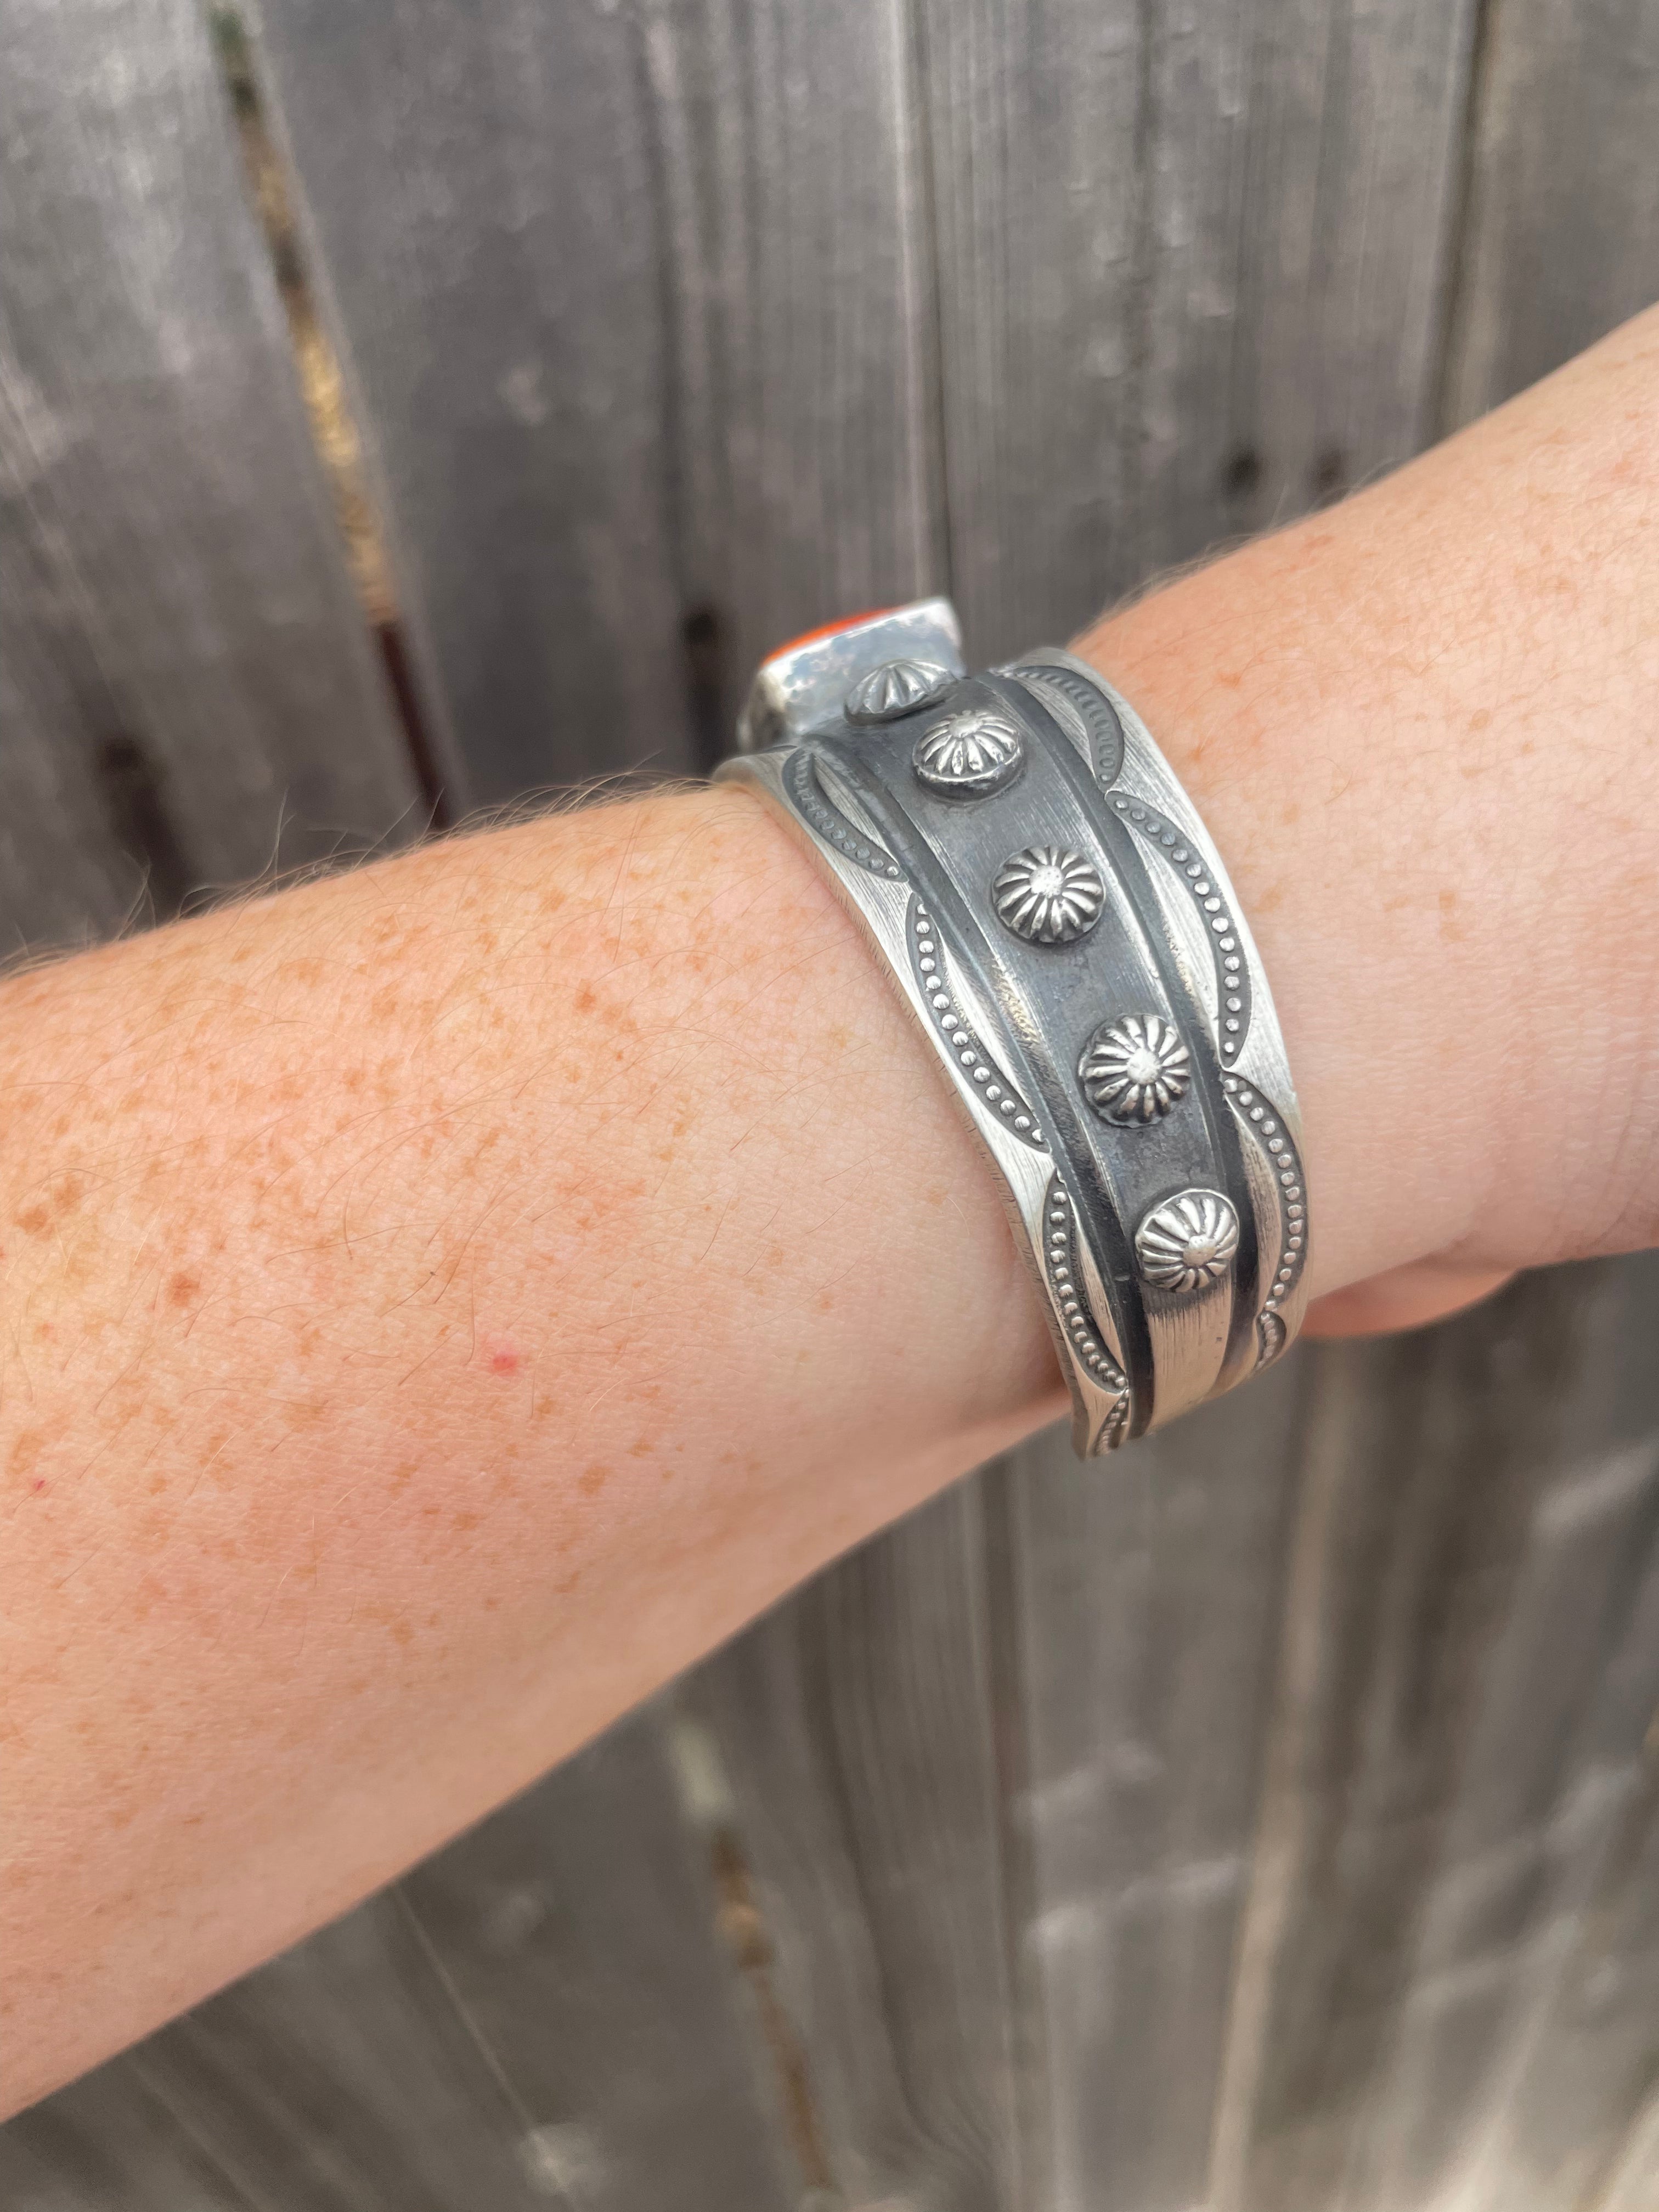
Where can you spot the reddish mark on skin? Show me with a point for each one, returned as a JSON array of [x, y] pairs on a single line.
[[504, 1357], [39, 1483], [26, 1451]]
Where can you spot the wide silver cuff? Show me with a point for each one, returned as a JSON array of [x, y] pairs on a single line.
[[1052, 911]]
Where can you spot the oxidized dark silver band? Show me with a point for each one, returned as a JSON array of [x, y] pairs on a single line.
[[1052, 909]]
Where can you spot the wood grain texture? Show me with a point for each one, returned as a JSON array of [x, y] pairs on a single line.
[[109, 2144], [1191, 271], [1584, 2111], [639, 320], [576, 1932], [339, 2076], [1562, 236], [1143, 1622], [544, 2011], [188, 686], [799, 270], [853, 1727], [342, 2078], [477, 186], [1469, 1678]]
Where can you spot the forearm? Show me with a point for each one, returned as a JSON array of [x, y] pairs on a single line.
[[444, 1300], [1424, 728]]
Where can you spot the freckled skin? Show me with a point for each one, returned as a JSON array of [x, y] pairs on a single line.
[[478, 1284]]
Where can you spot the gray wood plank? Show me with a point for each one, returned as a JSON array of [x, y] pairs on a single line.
[[1467, 1679], [1191, 271], [190, 690], [1522, 2050], [1562, 238], [476, 184], [1145, 1620], [1634, 2181], [798, 261], [1036, 120], [576, 1931], [853, 1726], [109, 2144], [640, 321], [342, 2077], [544, 2010], [1571, 2110], [1551, 1775]]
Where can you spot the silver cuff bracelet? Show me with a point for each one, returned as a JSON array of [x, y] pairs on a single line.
[[1057, 917]]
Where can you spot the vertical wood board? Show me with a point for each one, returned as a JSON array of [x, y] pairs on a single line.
[[544, 2011], [188, 685], [1192, 267], [476, 185], [576, 1929], [1562, 236], [1144, 1622], [798, 266], [1457, 1740], [853, 1725], [639, 316], [108, 2144]]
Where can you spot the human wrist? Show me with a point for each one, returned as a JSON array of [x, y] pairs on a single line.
[[1417, 727]]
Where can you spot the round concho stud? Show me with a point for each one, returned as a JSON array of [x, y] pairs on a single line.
[[1134, 1070], [1048, 895], [1187, 1242], [897, 688], [968, 755]]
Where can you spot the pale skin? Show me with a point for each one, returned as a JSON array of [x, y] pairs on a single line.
[[443, 1301]]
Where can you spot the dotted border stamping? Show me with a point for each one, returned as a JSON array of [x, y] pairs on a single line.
[[1060, 1264], [807, 795], [928, 963], [1232, 970], [1263, 1120], [1099, 717]]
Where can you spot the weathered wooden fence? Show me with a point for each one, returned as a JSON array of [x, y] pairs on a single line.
[[405, 404]]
